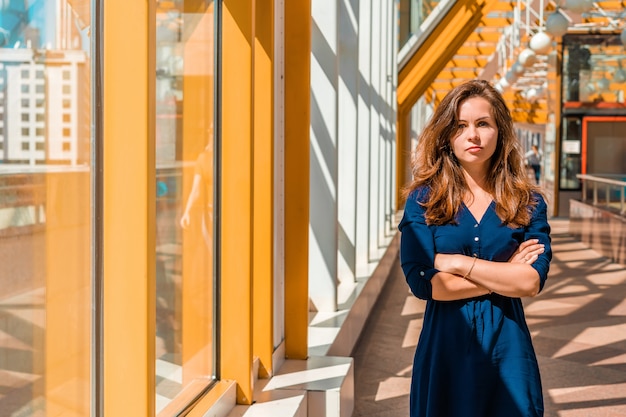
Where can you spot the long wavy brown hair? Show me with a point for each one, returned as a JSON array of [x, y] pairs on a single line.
[[435, 166]]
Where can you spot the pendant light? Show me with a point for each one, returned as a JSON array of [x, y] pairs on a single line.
[[540, 43], [556, 24]]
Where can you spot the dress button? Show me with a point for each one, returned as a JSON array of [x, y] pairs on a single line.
[[422, 273], [476, 239], [476, 225], [475, 255]]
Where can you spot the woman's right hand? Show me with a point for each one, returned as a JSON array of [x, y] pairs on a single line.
[[527, 252], [185, 220]]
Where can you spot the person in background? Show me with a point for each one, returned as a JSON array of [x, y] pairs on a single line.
[[201, 193], [533, 160], [474, 241]]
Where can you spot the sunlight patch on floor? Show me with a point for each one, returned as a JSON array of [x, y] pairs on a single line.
[[393, 387]]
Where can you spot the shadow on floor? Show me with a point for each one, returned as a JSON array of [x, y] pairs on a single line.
[[578, 324]]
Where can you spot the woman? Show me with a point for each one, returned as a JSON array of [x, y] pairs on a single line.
[[475, 239]]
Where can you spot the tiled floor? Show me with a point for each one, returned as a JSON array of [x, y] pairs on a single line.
[[578, 324]]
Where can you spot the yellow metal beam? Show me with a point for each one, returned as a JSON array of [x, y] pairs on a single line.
[[486, 35], [458, 74], [497, 22], [440, 46], [429, 95], [459, 61], [442, 87], [477, 49], [506, 6], [597, 20], [612, 5], [537, 118]]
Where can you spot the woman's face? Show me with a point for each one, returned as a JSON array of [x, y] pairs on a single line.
[[477, 136]]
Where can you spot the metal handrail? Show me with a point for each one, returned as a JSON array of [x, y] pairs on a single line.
[[609, 183]]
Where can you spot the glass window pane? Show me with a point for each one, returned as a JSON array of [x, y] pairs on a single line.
[[593, 70], [45, 218], [185, 345], [411, 15]]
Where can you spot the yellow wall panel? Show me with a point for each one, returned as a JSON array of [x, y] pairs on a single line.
[[236, 197], [263, 300], [128, 212], [68, 294]]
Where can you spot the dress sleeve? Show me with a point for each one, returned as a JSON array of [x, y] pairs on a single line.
[[540, 229], [417, 249]]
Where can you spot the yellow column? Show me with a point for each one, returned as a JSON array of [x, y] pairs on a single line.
[[556, 96], [236, 197], [128, 196], [297, 122], [263, 224], [403, 155]]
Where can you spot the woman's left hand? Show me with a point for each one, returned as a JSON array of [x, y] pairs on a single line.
[[527, 252]]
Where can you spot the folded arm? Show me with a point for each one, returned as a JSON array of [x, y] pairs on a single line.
[[463, 276], [522, 276], [433, 275]]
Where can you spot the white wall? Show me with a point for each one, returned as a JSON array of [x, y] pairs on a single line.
[[353, 119]]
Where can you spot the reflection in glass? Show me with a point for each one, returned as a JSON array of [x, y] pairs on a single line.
[[411, 15], [185, 345], [593, 70], [45, 218]]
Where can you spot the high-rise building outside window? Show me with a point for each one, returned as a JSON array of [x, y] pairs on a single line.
[[45, 211]]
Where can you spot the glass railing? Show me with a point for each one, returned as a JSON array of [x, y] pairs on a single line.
[[605, 190]]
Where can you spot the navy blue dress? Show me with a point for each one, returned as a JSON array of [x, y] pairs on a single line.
[[474, 357]]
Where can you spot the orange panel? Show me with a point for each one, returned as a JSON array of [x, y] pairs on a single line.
[[236, 197], [67, 294], [263, 219], [128, 214]]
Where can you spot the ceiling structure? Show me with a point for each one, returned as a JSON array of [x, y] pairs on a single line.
[[503, 31], [428, 53]]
